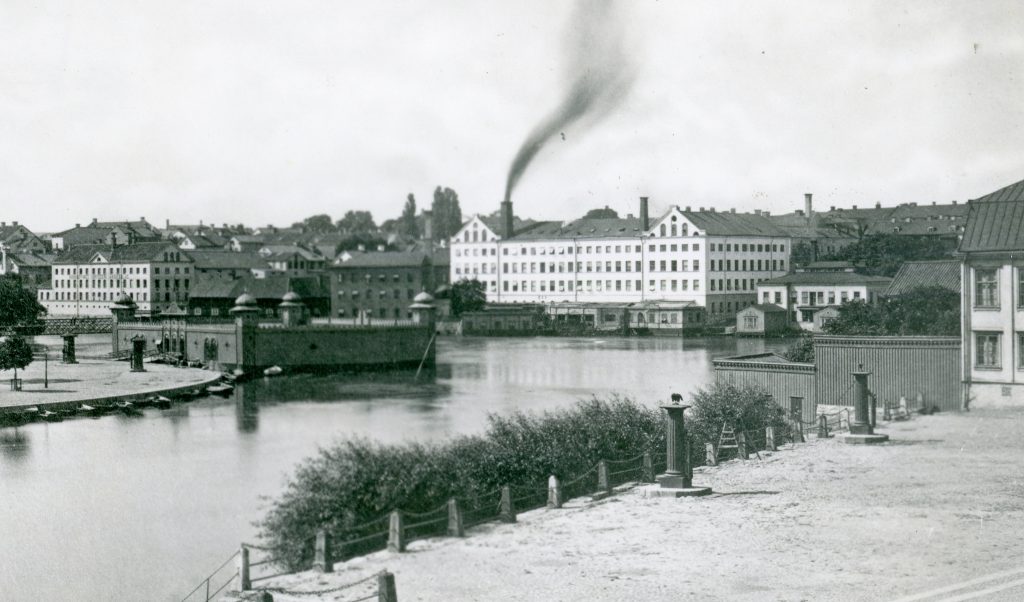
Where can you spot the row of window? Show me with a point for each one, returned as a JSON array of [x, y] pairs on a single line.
[[735, 284], [381, 294], [748, 265], [114, 284], [108, 296], [349, 277], [566, 286], [101, 271]]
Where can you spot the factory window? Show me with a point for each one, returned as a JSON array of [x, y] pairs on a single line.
[[675, 265], [650, 248]]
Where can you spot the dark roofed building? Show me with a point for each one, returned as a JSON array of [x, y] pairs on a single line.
[[918, 274], [108, 233], [18, 239], [382, 284], [229, 263], [213, 295]]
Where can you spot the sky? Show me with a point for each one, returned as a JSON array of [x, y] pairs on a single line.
[[267, 112]]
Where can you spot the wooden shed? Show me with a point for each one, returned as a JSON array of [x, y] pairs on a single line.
[[761, 319]]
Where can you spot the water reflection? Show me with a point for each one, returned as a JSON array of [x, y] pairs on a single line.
[[247, 409], [14, 443]]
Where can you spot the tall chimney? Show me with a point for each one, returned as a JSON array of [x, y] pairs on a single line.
[[645, 216], [808, 210], [506, 217], [428, 226]]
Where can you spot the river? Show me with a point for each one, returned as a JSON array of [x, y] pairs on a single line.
[[122, 508]]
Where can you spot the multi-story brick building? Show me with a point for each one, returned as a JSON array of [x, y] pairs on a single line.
[[86, 279], [714, 259], [382, 284]]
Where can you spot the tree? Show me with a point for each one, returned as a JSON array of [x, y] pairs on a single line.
[[407, 225], [883, 254], [605, 213], [15, 353], [803, 253], [931, 311], [467, 295], [318, 224], [801, 351], [357, 222], [447, 213], [18, 306]]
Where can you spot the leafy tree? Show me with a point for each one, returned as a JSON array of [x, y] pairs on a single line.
[[803, 253], [357, 222], [15, 353], [319, 224], [604, 213], [18, 306], [467, 295], [369, 241], [801, 351], [407, 224], [883, 254], [744, 408], [931, 310], [447, 213]]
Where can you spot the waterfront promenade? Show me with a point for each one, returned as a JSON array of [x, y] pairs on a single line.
[[95, 381], [933, 515]]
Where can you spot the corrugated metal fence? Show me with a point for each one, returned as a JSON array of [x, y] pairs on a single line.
[[791, 384], [909, 367]]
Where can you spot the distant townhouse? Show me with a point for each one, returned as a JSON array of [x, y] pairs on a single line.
[[805, 293], [383, 284], [292, 260], [214, 294], [992, 273], [198, 237], [86, 279], [107, 233], [713, 259], [229, 264], [19, 239], [241, 243], [34, 269]]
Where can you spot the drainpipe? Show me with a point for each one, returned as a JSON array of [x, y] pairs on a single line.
[[1013, 326]]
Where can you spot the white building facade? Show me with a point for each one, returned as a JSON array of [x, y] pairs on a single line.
[[712, 259], [804, 294]]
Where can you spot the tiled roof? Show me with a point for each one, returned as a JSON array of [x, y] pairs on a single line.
[[915, 274], [31, 259], [717, 223], [996, 221], [282, 251], [206, 286], [768, 308], [382, 259], [581, 228], [139, 252], [226, 260], [825, 279]]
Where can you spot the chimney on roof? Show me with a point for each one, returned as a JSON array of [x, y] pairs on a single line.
[[800, 212], [766, 213], [933, 203], [854, 206], [711, 209], [428, 226], [167, 223], [688, 208], [832, 208], [757, 212], [94, 220], [954, 202], [78, 225], [701, 209], [913, 204], [142, 219], [507, 217], [732, 210], [3, 223], [878, 205], [645, 216], [807, 204], [14, 223]]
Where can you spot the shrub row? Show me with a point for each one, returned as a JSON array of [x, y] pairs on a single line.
[[357, 481]]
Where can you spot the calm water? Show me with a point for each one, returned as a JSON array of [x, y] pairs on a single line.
[[120, 508]]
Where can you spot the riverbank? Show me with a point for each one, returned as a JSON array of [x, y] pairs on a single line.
[[93, 381], [939, 505]]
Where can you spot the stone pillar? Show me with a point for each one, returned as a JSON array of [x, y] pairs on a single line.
[[455, 525], [244, 582], [677, 480], [138, 347], [710, 456], [323, 561], [507, 511], [861, 430], [822, 426], [741, 446], [648, 468], [396, 533], [769, 438], [386, 588], [68, 353], [554, 492], [604, 486]]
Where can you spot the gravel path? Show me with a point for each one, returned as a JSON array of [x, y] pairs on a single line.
[[941, 504]]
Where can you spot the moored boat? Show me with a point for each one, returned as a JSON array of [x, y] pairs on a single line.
[[48, 416], [273, 371], [220, 389], [128, 408], [159, 401], [89, 410]]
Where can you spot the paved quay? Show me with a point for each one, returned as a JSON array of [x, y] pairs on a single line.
[[96, 381]]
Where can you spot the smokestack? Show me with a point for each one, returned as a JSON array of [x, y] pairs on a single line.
[[506, 216], [645, 217], [877, 206], [167, 223], [808, 210], [428, 226]]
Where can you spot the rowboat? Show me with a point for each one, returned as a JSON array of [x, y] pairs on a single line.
[[48, 416], [273, 371], [128, 408], [221, 389], [159, 401], [89, 410]]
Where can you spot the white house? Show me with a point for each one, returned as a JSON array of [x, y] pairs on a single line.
[[805, 293]]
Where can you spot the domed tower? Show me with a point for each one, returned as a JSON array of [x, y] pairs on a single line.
[[293, 311], [245, 309], [423, 309]]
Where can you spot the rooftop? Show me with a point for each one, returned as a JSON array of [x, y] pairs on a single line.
[[825, 279], [138, 252], [996, 221], [916, 274]]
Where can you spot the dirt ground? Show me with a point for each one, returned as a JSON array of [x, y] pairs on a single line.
[[939, 509]]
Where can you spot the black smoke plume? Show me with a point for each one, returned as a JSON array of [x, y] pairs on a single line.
[[599, 73]]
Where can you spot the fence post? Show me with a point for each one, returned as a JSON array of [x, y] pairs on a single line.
[[769, 438], [710, 457], [647, 472], [244, 583], [264, 597], [386, 587], [822, 426], [873, 410], [396, 532], [554, 492], [741, 445], [323, 561], [604, 487], [508, 511], [455, 526]]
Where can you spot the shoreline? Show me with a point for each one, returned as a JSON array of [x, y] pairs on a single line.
[[92, 380]]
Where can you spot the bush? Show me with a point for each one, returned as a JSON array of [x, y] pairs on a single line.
[[801, 351], [358, 481]]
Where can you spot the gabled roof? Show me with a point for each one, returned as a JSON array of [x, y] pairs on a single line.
[[995, 222], [282, 251], [768, 308], [215, 286], [227, 260], [825, 279], [30, 260], [916, 274], [136, 253], [715, 223]]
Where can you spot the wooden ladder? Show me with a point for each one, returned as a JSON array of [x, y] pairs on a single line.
[[726, 440]]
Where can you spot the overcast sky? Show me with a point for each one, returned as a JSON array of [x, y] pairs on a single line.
[[267, 112]]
